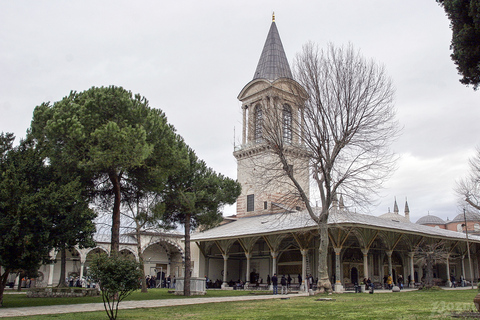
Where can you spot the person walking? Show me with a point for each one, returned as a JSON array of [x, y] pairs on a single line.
[[275, 284], [283, 282], [389, 281]]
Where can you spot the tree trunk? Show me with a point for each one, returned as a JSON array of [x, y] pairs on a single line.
[[63, 266], [3, 283], [324, 283], [429, 269], [188, 263], [21, 274], [140, 260], [115, 241]]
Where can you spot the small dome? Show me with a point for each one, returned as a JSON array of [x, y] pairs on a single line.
[[471, 216], [394, 216], [430, 220]]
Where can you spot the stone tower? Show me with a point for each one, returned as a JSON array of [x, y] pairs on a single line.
[[272, 91]]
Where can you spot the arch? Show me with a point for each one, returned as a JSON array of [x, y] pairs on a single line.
[[287, 124], [258, 124], [354, 275], [97, 249], [166, 244], [128, 252]]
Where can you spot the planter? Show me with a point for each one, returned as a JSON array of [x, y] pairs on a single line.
[[476, 301]]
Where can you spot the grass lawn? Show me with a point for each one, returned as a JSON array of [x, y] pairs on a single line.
[[404, 305], [20, 300]]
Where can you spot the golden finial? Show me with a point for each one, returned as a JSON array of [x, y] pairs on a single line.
[[273, 16]]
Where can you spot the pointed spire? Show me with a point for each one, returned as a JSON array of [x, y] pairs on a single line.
[[341, 205], [395, 206], [407, 210], [273, 63]]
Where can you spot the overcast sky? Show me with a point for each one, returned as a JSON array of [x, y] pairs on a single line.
[[192, 58]]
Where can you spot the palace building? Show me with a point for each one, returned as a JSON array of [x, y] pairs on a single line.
[[266, 237]]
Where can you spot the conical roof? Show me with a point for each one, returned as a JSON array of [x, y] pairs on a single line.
[[395, 206], [273, 63]]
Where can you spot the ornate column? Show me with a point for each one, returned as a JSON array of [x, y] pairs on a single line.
[[274, 261], [389, 256], [463, 266], [248, 255], [82, 263], [225, 259], [448, 283], [412, 270], [244, 129], [50, 274], [338, 282], [304, 269], [365, 263]]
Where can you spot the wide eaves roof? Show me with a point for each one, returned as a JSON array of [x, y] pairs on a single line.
[[300, 221]]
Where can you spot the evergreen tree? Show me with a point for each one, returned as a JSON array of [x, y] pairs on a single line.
[[464, 18], [33, 210], [107, 135], [194, 199]]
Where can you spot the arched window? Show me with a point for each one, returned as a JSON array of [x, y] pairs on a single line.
[[258, 123], [287, 124], [459, 227]]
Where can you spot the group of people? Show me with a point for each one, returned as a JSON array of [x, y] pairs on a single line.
[[165, 282], [388, 282], [454, 283], [285, 282]]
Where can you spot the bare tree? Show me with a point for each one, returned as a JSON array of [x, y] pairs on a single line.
[[342, 132], [468, 188], [144, 213], [427, 255]]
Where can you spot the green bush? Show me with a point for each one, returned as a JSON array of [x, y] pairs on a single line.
[[117, 277]]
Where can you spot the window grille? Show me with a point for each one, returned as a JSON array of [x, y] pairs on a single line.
[[287, 124], [250, 202], [258, 124]]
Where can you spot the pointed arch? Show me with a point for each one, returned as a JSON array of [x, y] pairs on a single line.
[[258, 124], [287, 124]]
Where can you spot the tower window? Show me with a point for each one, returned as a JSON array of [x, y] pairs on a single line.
[[258, 123], [250, 202], [287, 124], [265, 205]]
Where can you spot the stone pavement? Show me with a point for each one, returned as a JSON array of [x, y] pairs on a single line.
[[30, 311]]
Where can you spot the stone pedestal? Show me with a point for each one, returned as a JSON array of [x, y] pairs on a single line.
[[338, 287], [197, 286]]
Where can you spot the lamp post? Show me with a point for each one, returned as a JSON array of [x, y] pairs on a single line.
[[468, 246]]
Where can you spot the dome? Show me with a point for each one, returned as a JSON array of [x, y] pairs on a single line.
[[394, 216], [471, 216], [430, 220]]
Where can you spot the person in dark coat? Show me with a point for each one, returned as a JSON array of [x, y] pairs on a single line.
[[275, 284]]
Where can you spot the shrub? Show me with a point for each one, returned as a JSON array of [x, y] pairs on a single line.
[[117, 276]]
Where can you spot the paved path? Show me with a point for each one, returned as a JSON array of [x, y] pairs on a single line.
[[30, 311]]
